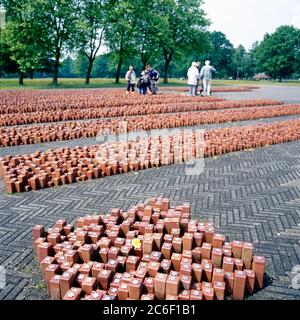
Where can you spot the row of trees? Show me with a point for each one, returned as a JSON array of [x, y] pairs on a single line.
[[277, 55], [38, 33], [229, 61], [64, 37]]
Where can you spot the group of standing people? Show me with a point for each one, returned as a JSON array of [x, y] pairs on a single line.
[[147, 81], [195, 75], [149, 78]]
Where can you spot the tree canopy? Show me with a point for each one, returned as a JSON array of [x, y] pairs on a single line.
[[91, 25], [103, 37], [220, 51], [20, 37], [279, 53], [48, 30]]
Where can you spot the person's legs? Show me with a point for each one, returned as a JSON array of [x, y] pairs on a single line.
[[195, 91], [190, 90], [128, 87], [145, 89], [208, 87], [154, 87], [132, 87], [204, 87]]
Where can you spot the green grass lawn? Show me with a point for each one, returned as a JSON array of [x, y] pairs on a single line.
[[109, 83]]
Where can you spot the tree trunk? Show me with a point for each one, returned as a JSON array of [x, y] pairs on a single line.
[[21, 78], [166, 70], [144, 64], [55, 74], [55, 68], [89, 71], [118, 72], [145, 58]]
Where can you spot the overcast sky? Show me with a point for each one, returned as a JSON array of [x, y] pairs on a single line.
[[245, 21]]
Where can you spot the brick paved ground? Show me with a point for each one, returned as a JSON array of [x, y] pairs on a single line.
[[288, 94], [251, 196]]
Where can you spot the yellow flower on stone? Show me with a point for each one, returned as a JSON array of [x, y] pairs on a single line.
[[136, 243]]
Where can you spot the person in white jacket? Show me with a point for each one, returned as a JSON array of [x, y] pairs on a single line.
[[131, 80], [193, 77], [206, 76]]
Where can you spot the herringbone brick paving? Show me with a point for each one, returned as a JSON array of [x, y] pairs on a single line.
[[251, 196]]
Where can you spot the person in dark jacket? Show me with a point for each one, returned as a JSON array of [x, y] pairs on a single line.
[[154, 77], [143, 83]]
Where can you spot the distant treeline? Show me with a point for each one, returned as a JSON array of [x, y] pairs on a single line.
[[63, 38]]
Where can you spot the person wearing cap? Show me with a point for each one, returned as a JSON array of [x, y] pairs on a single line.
[[206, 75], [131, 80], [193, 77]]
